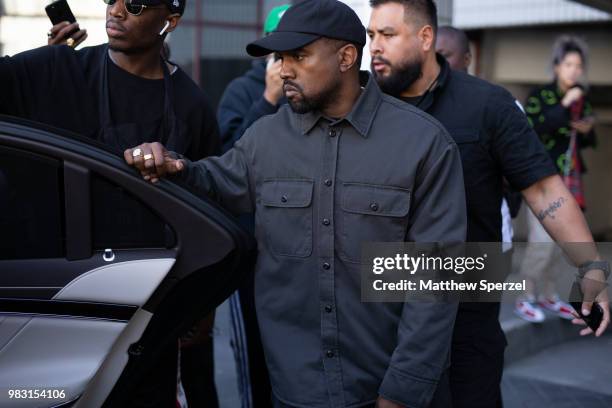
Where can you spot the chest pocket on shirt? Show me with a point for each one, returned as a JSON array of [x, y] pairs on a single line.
[[371, 213], [287, 214]]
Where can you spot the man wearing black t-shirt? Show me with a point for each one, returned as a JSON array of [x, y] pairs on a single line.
[[495, 141], [122, 94]]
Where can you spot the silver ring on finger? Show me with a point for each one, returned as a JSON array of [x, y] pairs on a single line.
[[137, 152]]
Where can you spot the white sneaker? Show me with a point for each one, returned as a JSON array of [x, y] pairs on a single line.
[[557, 306], [528, 310]]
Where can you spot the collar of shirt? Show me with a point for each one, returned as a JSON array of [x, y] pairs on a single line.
[[362, 114], [428, 98]]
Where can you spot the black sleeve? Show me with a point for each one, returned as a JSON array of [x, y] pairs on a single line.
[[207, 142], [9, 97], [21, 76], [514, 144], [47, 85], [237, 111]]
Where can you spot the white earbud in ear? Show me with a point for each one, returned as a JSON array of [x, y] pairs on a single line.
[[165, 28]]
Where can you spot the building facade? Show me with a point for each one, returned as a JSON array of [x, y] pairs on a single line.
[[511, 41]]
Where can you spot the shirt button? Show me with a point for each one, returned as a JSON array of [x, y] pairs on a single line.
[[328, 183], [326, 222], [332, 133], [328, 309], [329, 353], [326, 266], [374, 206], [284, 199]]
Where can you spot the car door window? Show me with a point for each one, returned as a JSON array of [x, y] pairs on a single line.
[[31, 206], [121, 221]]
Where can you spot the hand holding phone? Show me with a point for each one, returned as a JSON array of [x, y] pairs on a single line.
[[593, 320], [273, 91], [65, 29]]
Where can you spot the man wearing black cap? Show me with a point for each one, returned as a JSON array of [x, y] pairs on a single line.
[[339, 166], [123, 93]]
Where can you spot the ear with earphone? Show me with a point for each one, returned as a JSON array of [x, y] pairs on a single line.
[[165, 28]]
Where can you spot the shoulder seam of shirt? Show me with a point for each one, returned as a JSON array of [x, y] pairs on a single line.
[[424, 115]]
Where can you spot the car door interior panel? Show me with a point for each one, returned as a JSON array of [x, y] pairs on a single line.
[[45, 351], [100, 270], [130, 282]]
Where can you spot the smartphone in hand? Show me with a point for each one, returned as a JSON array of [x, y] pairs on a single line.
[[593, 320], [59, 11]]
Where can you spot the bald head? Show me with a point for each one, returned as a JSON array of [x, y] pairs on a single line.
[[454, 45]]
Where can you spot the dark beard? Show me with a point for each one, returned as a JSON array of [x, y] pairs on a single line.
[[401, 77], [316, 102], [303, 106]]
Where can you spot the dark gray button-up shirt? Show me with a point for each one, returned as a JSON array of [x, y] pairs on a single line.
[[320, 188]]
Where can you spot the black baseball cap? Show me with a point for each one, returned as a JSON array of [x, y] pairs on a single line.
[[308, 21], [175, 6]]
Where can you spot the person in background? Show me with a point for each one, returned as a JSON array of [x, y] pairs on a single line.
[[453, 44], [257, 93], [562, 116]]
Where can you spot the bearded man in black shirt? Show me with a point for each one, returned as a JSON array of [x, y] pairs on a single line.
[[495, 141]]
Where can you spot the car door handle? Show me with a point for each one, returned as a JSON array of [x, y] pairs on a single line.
[[109, 255]]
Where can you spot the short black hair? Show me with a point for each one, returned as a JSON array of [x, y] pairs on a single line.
[[425, 10], [458, 35]]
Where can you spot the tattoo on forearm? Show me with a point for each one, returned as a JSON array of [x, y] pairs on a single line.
[[552, 208]]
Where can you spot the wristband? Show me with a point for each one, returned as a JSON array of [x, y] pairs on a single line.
[[590, 265]]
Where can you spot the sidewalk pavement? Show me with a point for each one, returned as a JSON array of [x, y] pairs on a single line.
[[573, 374], [550, 365]]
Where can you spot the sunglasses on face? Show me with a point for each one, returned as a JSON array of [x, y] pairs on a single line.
[[133, 7]]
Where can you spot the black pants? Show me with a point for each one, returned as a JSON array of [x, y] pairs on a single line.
[[261, 392], [198, 375], [157, 389], [477, 357]]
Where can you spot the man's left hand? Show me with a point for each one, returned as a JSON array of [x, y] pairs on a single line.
[[594, 287]]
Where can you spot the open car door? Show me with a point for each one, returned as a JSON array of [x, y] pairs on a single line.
[[99, 270]]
